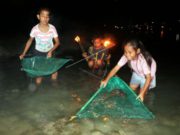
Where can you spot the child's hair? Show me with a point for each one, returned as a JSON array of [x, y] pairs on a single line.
[[137, 44], [97, 36], [44, 9]]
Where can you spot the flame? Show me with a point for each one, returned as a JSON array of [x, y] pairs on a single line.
[[107, 43], [77, 39]]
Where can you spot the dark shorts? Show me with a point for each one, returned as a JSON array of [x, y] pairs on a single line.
[[38, 53]]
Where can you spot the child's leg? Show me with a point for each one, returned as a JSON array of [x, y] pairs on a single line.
[[150, 94], [134, 86], [152, 84], [90, 63], [38, 80], [54, 76], [135, 81], [150, 99], [99, 63], [100, 67]]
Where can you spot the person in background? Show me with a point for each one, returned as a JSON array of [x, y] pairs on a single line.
[[98, 58]]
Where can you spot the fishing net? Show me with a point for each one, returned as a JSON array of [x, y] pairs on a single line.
[[117, 99], [42, 66]]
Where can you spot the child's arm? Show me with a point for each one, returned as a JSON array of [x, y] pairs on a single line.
[[56, 44], [84, 54], [28, 44], [90, 52], [108, 59], [145, 87], [111, 74]]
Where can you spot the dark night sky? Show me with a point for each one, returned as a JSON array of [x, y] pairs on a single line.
[[20, 13]]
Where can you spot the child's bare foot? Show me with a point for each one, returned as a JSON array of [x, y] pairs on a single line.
[[54, 76], [32, 87], [38, 81]]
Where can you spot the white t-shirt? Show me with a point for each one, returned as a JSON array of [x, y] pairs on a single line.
[[44, 40]]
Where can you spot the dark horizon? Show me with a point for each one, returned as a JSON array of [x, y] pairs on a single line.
[[90, 11]]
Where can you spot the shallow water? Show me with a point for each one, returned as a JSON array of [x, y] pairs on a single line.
[[47, 110]]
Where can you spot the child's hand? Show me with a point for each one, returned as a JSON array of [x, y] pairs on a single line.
[[99, 62], [103, 83], [49, 55], [109, 56], [84, 54], [140, 96], [21, 56]]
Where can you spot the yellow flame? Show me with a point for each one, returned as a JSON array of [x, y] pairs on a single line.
[[107, 43], [77, 39]]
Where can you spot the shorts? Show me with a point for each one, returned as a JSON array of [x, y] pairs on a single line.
[[139, 80], [38, 53]]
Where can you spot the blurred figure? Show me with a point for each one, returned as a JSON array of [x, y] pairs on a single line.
[[96, 58]]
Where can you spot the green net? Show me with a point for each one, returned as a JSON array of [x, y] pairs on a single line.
[[117, 99], [42, 66]]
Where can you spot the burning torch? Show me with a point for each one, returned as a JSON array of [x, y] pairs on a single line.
[[108, 43], [78, 40]]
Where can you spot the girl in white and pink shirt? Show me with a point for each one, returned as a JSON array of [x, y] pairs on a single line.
[[142, 65], [46, 37]]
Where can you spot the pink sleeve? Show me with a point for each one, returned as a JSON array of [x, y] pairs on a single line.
[[153, 68], [145, 67], [122, 61]]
